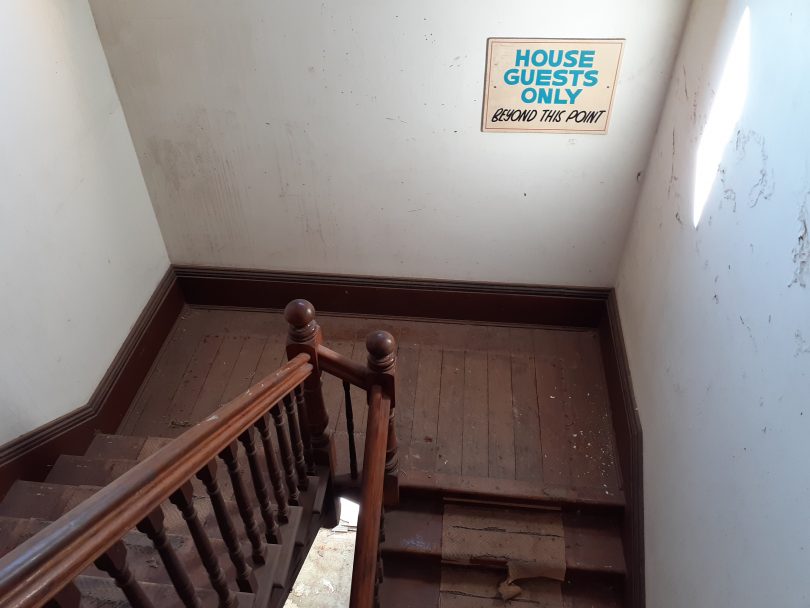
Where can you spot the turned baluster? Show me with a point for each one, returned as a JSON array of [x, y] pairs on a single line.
[[286, 454], [183, 499], [230, 456], [114, 563], [68, 596], [378, 580], [245, 578], [347, 395], [297, 443], [303, 417], [305, 337], [263, 424], [153, 526], [272, 533], [379, 547], [382, 359]]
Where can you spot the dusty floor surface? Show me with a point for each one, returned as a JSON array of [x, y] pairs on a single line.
[[326, 576]]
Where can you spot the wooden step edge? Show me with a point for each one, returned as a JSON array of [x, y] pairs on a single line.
[[81, 470], [487, 489], [412, 582], [146, 564], [105, 445], [288, 545], [102, 592], [42, 499], [142, 556], [592, 546]]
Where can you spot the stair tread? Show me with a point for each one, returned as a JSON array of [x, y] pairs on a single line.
[[106, 445], [43, 500], [411, 582], [50, 501], [289, 534], [593, 543], [101, 592], [507, 490], [143, 559], [81, 470]]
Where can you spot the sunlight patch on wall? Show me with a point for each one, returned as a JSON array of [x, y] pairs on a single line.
[[723, 117]]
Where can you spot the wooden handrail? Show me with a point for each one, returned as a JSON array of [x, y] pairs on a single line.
[[367, 549], [343, 367], [39, 568]]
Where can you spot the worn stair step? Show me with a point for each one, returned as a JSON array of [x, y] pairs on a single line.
[[124, 446], [83, 470], [593, 544], [312, 504], [489, 490], [43, 500], [73, 470], [50, 501], [413, 582], [101, 592], [410, 582], [287, 554], [143, 559], [105, 446]]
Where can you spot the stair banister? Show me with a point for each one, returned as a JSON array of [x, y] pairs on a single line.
[[379, 485], [46, 564], [365, 581]]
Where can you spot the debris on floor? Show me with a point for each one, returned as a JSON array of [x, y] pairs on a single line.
[[326, 576]]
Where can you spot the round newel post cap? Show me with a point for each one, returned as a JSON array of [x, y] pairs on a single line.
[[382, 350], [299, 313]]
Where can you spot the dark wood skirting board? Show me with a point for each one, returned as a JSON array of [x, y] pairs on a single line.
[[29, 455], [627, 426], [415, 298]]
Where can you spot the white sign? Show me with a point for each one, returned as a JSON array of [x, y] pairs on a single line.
[[550, 85]]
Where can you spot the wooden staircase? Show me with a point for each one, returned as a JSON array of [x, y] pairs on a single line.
[[29, 507], [246, 504]]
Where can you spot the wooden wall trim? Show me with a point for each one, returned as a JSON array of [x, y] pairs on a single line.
[[29, 455], [627, 426], [415, 298]]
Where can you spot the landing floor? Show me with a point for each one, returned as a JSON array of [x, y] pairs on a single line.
[[474, 401]]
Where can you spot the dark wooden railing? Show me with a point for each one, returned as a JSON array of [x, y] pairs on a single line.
[[42, 570], [379, 486]]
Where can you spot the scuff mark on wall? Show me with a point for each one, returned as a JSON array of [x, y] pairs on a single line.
[[672, 177], [801, 252], [750, 333], [802, 347], [729, 194], [765, 185]]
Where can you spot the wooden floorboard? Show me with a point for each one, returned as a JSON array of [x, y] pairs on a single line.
[[480, 401], [475, 438], [451, 413]]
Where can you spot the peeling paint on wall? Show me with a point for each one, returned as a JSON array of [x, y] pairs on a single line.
[[801, 252]]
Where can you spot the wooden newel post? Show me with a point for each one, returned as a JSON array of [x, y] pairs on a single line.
[[382, 362], [305, 337]]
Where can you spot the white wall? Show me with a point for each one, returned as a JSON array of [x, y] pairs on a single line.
[[717, 320], [344, 136], [80, 249]]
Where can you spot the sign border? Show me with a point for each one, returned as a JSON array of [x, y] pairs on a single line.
[[488, 71]]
